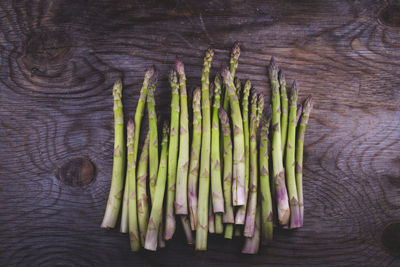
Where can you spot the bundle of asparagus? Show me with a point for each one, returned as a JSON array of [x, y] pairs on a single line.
[[223, 182]]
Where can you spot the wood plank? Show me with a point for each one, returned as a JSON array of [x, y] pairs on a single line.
[[59, 59]]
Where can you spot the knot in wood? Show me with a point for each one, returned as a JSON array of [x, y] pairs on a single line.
[[390, 16], [77, 172]]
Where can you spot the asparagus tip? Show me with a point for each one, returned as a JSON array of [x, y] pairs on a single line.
[[173, 78], [226, 75], [308, 104], [130, 127], [282, 79], [236, 49], [273, 69], [298, 112], [209, 54], [180, 67], [150, 72], [294, 91]]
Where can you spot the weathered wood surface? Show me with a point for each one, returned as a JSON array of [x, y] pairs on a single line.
[[59, 59]]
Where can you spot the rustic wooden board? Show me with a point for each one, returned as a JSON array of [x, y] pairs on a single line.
[[59, 59]]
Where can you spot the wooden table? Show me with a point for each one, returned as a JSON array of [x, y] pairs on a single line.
[[59, 60]]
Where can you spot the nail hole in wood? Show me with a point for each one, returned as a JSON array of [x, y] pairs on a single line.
[[77, 172]]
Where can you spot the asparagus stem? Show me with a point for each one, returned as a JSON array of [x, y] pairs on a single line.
[[227, 156], [183, 159], [241, 213], [138, 120], [252, 244], [156, 211], [153, 148], [194, 158], [265, 190], [117, 180], [284, 107], [132, 205], [186, 229], [252, 201], [238, 230], [216, 183], [277, 163], [307, 107], [211, 218], [238, 87], [170, 222], [238, 185], [219, 226], [204, 179], [233, 64], [228, 231], [142, 199], [290, 160]]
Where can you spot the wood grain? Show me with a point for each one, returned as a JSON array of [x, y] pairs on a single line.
[[59, 59]]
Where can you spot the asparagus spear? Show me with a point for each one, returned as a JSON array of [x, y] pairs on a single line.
[[241, 213], [138, 121], [183, 159], [228, 231], [233, 64], [307, 106], [284, 107], [252, 201], [267, 226], [153, 148], [156, 210], [277, 164], [227, 156], [216, 183], [194, 158], [204, 179], [130, 176], [238, 87], [170, 223], [238, 185], [211, 218], [252, 244], [219, 226], [186, 228], [142, 199], [114, 198], [260, 108], [290, 160]]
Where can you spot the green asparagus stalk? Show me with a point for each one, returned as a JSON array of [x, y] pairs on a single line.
[[186, 228], [132, 204], [307, 106], [252, 244], [252, 201], [238, 87], [238, 185], [194, 159], [277, 163], [228, 234], [233, 64], [181, 206], [156, 210], [216, 183], [227, 156], [138, 120], [117, 180], [170, 222], [211, 218], [204, 175], [260, 109], [284, 107], [241, 213], [290, 160], [142, 199], [219, 226], [267, 226], [153, 148]]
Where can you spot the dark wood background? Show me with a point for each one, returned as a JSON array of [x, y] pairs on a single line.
[[59, 59]]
